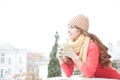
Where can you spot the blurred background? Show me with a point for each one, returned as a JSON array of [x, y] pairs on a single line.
[[32, 23]]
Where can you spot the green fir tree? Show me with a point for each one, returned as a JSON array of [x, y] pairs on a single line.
[[54, 69]]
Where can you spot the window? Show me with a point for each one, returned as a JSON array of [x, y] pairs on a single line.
[[9, 60], [1, 73], [2, 58], [20, 60]]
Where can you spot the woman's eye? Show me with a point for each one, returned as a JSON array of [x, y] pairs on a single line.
[[72, 27]]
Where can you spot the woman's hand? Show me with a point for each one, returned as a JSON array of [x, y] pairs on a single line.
[[59, 55], [65, 50], [61, 51], [71, 54]]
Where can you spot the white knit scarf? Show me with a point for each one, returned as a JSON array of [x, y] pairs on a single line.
[[80, 45]]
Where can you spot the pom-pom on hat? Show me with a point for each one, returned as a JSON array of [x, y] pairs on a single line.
[[80, 21]]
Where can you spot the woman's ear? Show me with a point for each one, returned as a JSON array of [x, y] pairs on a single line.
[[80, 32]]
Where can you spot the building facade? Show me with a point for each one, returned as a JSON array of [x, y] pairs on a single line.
[[12, 61]]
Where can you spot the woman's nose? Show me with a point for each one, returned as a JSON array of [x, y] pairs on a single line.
[[68, 30]]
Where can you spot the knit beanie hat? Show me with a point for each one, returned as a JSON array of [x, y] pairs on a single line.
[[80, 21]]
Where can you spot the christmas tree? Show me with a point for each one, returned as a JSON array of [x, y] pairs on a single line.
[[54, 69]]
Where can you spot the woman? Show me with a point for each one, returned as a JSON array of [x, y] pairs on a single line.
[[85, 51]]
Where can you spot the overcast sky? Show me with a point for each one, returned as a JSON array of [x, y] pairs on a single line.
[[32, 24]]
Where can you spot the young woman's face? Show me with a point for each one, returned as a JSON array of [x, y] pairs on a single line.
[[73, 32]]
